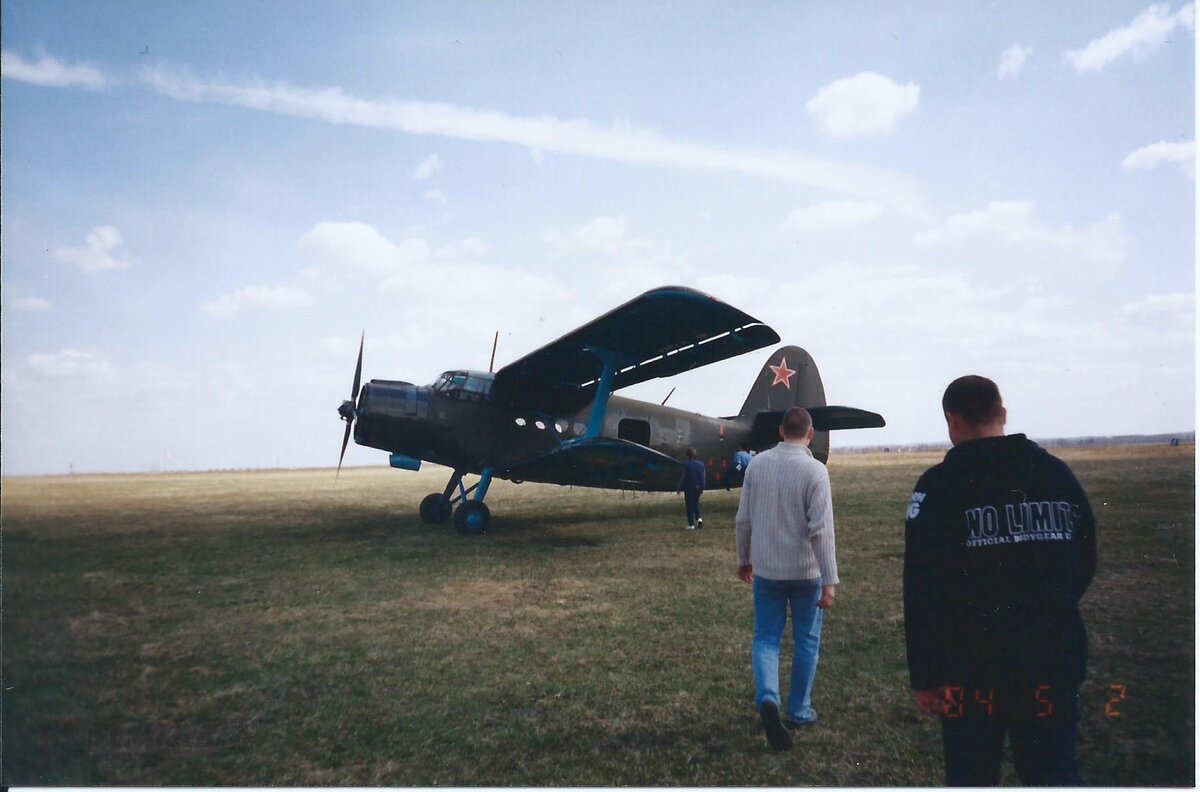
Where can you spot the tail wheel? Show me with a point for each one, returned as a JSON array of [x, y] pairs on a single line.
[[472, 518], [435, 509]]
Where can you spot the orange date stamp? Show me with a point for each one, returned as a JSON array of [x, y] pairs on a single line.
[[962, 701]]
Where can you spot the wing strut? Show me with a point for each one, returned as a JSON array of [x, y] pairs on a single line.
[[604, 389]]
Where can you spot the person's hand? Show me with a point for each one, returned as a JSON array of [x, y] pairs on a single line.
[[828, 594], [746, 573], [933, 702]]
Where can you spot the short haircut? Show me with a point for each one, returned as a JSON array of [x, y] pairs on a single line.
[[975, 399], [691, 453], [796, 422]]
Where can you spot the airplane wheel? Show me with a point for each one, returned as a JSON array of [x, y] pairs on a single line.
[[433, 510], [472, 518]]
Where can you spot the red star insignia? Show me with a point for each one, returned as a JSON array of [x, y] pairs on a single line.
[[783, 374]]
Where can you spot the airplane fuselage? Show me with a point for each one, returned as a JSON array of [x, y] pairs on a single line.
[[459, 425]]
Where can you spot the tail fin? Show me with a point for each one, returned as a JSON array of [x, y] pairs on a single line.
[[790, 378]]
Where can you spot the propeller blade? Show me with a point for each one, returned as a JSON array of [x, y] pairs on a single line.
[[348, 409], [345, 442], [358, 370]]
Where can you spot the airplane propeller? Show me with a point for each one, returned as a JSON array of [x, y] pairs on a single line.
[[349, 408]]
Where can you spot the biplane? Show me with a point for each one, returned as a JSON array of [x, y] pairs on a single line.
[[552, 416]]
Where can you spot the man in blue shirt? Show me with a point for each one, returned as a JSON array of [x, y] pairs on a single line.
[[741, 461], [691, 484]]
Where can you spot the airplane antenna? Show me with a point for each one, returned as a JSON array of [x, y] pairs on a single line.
[[495, 341], [664, 401]]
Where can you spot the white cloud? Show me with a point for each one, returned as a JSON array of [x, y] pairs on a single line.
[[865, 104], [1157, 334], [1012, 61], [428, 166], [358, 253], [601, 235], [629, 263], [31, 304], [275, 298], [1148, 30], [957, 321], [1049, 348], [450, 298], [1165, 311], [437, 197], [833, 214], [69, 363], [1182, 154], [737, 290], [619, 142], [1013, 223], [96, 255], [469, 250], [51, 72], [359, 249]]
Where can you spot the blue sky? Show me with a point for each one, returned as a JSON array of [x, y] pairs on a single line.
[[206, 203]]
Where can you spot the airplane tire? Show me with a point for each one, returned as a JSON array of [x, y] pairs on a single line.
[[472, 518], [433, 510]]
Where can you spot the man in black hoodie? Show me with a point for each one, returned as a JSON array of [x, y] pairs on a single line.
[[1000, 544]]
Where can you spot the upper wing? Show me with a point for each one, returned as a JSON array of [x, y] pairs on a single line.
[[661, 333]]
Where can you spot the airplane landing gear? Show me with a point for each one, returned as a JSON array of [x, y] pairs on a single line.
[[434, 509], [471, 517]]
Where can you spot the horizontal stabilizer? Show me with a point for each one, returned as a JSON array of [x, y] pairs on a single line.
[[765, 429], [594, 462], [831, 417]]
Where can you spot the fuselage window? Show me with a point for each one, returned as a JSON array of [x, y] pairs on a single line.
[[635, 430]]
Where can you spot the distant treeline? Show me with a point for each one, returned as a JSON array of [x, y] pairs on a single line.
[[1179, 438]]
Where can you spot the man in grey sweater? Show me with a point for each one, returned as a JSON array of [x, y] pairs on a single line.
[[786, 549]]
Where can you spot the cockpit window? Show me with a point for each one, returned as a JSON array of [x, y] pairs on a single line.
[[450, 381], [464, 385]]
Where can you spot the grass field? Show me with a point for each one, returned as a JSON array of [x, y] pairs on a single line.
[[270, 629]]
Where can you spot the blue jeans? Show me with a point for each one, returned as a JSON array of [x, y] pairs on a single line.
[[691, 500], [771, 601]]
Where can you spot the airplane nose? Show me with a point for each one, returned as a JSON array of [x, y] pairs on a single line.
[[346, 410]]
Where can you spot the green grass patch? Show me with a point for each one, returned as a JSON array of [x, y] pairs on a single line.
[[271, 629]]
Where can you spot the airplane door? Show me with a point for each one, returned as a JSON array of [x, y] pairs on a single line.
[[635, 430]]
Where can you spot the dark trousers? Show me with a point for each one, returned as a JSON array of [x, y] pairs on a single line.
[[1042, 723], [691, 499]]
